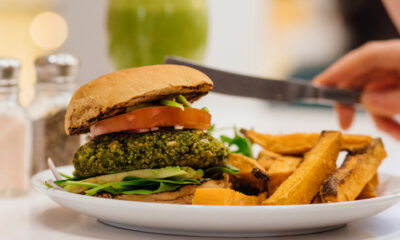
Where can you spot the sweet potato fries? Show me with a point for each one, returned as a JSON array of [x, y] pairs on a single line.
[[300, 168]]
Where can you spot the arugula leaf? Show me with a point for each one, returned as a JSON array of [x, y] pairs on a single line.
[[69, 181], [163, 187], [134, 185], [227, 169], [170, 103], [65, 175], [211, 129], [139, 106], [80, 183], [60, 182], [175, 181], [47, 184], [190, 173], [244, 146], [182, 100], [205, 109]]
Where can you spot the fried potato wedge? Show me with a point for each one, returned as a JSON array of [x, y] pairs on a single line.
[[243, 163], [375, 180], [252, 178], [225, 196], [267, 158], [316, 199], [305, 182], [369, 191], [347, 182], [279, 167], [299, 143]]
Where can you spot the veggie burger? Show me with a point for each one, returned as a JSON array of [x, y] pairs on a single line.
[[147, 142]]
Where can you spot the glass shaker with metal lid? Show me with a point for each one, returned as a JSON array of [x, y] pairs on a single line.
[[14, 133], [56, 82]]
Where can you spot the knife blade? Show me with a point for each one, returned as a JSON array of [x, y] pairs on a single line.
[[288, 91]]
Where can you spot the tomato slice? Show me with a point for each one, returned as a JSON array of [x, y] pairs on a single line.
[[152, 117]]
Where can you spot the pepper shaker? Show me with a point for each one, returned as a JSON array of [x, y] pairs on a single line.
[[56, 82]]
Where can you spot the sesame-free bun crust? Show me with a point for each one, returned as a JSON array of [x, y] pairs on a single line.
[[111, 94]]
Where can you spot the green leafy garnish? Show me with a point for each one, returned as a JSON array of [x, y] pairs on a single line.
[[170, 103], [181, 99], [139, 106], [211, 129], [60, 182], [214, 170], [190, 173], [144, 181], [65, 175], [205, 109], [162, 187], [133, 185], [80, 183], [180, 102], [244, 146]]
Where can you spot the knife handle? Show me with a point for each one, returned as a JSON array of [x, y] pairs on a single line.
[[339, 95]]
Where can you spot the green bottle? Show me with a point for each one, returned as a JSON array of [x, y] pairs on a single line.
[[142, 32]]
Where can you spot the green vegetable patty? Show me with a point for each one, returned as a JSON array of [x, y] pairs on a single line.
[[119, 152]]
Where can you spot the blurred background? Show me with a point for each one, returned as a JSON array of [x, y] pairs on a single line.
[[272, 38], [275, 38]]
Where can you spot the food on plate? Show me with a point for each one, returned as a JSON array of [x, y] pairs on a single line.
[[316, 199], [243, 144], [252, 178], [278, 167], [183, 195], [267, 158], [347, 182], [369, 191], [132, 151], [271, 179], [299, 143], [224, 196], [148, 143], [305, 182]]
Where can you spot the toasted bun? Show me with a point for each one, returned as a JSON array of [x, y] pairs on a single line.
[[111, 94]]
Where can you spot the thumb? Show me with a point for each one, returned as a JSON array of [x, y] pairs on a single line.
[[382, 103]]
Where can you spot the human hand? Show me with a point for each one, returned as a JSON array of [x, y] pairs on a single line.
[[374, 68]]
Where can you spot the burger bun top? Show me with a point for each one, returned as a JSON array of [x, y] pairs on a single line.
[[111, 94]]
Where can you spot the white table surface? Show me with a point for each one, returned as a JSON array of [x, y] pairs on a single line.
[[36, 217]]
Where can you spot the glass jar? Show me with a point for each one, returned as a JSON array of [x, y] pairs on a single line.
[[56, 82], [143, 32], [14, 133]]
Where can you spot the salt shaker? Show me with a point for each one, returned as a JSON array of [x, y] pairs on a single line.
[[14, 133], [56, 81]]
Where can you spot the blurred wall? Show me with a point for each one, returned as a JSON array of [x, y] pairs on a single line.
[[236, 35], [259, 37], [87, 37]]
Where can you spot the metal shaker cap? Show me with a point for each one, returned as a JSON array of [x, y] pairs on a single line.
[[57, 68], [9, 71]]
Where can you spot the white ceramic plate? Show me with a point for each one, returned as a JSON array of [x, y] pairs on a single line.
[[232, 221]]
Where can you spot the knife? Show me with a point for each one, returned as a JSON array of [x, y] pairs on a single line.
[[287, 91]]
